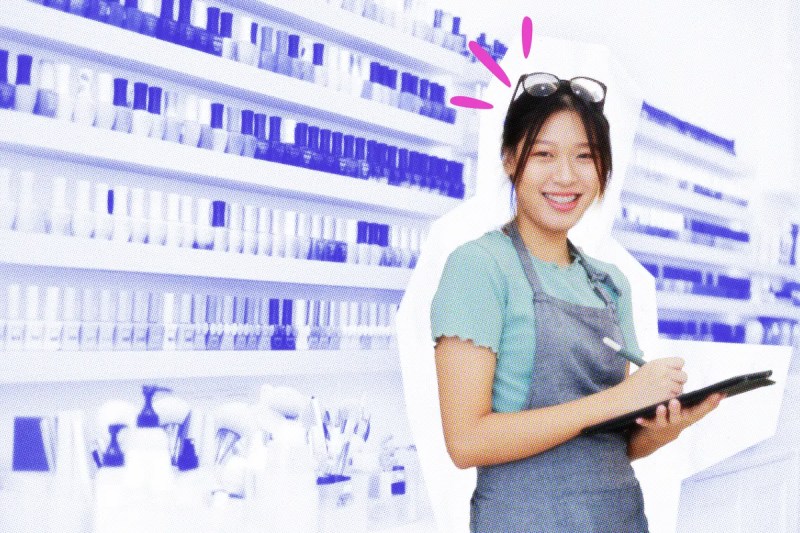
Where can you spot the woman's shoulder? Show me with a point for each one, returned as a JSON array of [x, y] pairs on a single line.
[[492, 245]]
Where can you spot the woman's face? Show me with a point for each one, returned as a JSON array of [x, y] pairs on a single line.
[[559, 181]]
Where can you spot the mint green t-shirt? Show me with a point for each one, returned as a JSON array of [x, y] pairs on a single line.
[[483, 296]]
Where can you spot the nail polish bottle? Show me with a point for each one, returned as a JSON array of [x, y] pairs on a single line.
[[344, 79], [249, 140], [170, 343], [252, 327], [414, 85], [187, 227], [457, 186], [123, 119], [424, 94], [85, 109], [116, 14], [404, 100], [58, 221], [141, 121], [141, 327], [327, 162], [149, 15], [190, 135], [343, 331], [314, 325], [30, 218], [240, 323], [138, 222], [8, 207], [119, 208], [401, 172], [226, 32], [369, 90], [339, 237], [295, 153], [319, 69], [65, 102], [303, 238], [106, 324], [186, 32], [385, 164], [277, 147], [287, 62], [262, 338], [167, 26], [205, 232], [83, 219], [214, 36], [214, 318], [233, 127], [325, 332], [259, 132], [395, 247], [46, 97], [362, 162], [307, 59], [219, 135], [173, 227], [334, 161], [264, 237], [286, 323], [271, 337], [330, 313], [395, 176], [200, 322], [219, 217], [277, 219], [202, 38], [24, 92], [229, 328], [292, 250], [34, 325], [246, 49], [123, 329], [235, 224], [157, 121], [155, 226], [71, 336], [106, 111], [133, 17], [250, 235], [267, 59], [185, 336], [317, 246], [53, 324], [378, 236], [363, 243], [312, 158], [15, 326], [301, 325], [351, 237], [355, 328], [206, 140], [90, 320], [347, 163], [173, 124], [6, 89], [393, 93]]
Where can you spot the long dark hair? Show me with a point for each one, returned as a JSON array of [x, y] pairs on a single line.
[[526, 115]]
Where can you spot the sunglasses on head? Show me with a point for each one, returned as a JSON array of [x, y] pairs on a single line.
[[541, 84]]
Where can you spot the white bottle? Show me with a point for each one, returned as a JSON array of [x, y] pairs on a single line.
[[59, 219], [34, 326], [303, 236], [83, 219], [278, 235], [246, 49], [290, 233], [174, 231], [66, 104], [71, 336], [264, 244], [103, 223], [142, 119], [186, 330], [53, 325], [250, 236], [106, 112], [123, 329], [235, 228], [85, 110], [190, 135], [121, 214], [170, 325], [206, 140], [8, 207], [205, 233], [188, 227], [302, 327], [138, 222], [90, 320], [106, 324], [15, 326], [156, 226], [29, 213], [141, 309]]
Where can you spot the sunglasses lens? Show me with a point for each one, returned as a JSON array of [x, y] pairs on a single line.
[[540, 84], [587, 89]]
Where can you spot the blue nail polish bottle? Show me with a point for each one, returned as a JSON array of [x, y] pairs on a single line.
[[347, 164], [124, 116], [260, 132], [295, 152], [424, 95], [250, 140], [402, 167], [167, 26], [6, 89], [277, 150], [215, 39], [186, 32], [276, 340], [361, 159], [116, 14], [311, 156], [133, 17], [332, 160], [288, 329], [372, 160], [392, 176]]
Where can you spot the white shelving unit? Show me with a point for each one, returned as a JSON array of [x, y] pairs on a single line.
[[686, 252]]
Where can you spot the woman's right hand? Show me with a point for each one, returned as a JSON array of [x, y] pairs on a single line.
[[656, 381]]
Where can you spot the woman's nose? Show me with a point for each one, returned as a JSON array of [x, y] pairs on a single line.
[[564, 173]]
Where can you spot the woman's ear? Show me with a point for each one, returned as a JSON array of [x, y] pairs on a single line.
[[509, 163]]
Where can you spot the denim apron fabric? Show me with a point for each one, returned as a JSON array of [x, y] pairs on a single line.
[[587, 484]]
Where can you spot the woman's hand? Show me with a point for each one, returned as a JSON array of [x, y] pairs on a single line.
[[667, 425], [656, 381]]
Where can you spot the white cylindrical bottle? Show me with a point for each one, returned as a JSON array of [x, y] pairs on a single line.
[[121, 214], [235, 228], [188, 227], [139, 223], [173, 227], [250, 240], [106, 325], [83, 218], [71, 336], [8, 207], [264, 246], [29, 212], [59, 219], [123, 330], [53, 324], [34, 326], [104, 224], [204, 231], [156, 226], [85, 110], [290, 233], [15, 326], [170, 325], [304, 239], [278, 235], [190, 134]]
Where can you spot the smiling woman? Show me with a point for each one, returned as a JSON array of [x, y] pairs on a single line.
[[518, 320]]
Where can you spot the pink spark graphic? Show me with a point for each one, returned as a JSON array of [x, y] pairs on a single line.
[[527, 34]]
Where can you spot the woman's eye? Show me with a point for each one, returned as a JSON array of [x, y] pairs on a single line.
[[585, 155], [542, 153]]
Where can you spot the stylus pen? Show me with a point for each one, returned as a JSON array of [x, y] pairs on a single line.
[[635, 359]]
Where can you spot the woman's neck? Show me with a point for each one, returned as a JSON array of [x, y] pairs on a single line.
[[547, 246]]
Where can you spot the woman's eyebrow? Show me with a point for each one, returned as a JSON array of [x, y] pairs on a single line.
[[552, 143]]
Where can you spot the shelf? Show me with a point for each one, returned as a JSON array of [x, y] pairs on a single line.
[[685, 252], [42, 250], [359, 33], [716, 305], [685, 200], [26, 22], [46, 137], [789, 272], [51, 367], [652, 135]]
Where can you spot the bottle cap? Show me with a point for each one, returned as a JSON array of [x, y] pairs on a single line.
[[59, 192], [3, 66], [213, 310], [235, 216], [456, 25], [360, 148], [218, 208], [228, 308], [203, 213], [185, 11], [217, 113], [120, 205], [275, 129], [101, 198], [267, 35], [250, 218], [83, 196], [247, 122], [244, 29], [341, 229], [277, 221], [301, 134], [324, 141], [226, 25], [303, 229], [274, 311], [313, 138], [328, 227], [173, 208], [52, 299], [424, 88], [287, 313], [374, 71], [438, 14], [405, 238], [240, 314], [288, 127], [282, 42], [24, 64], [70, 304], [404, 79], [392, 78], [154, 100], [200, 14], [185, 313], [301, 312], [394, 237], [264, 220], [260, 121], [155, 208], [351, 231], [200, 308], [294, 46], [63, 79], [148, 418], [363, 232], [349, 146], [121, 92], [254, 33], [319, 54], [141, 306], [139, 95], [137, 202], [90, 311], [204, 111], [336, 143], [191, 104], [106, 306], [212, 21], [168, 308], [167, 8], [47, 75], [124, 306], [290, 223]]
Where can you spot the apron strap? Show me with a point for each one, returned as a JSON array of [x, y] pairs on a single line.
[[527, 265]]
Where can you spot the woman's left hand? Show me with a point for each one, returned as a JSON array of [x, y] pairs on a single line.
[[671, 420]]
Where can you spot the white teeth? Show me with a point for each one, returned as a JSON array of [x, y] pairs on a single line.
[[560, 199]]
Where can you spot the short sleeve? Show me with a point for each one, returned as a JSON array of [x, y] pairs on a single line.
[[470, 300]]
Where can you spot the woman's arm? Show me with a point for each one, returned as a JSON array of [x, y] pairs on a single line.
[[476, 436]]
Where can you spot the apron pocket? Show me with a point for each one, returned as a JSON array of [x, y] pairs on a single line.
[[610, 511]]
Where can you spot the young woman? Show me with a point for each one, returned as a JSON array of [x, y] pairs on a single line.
[[518, 320]]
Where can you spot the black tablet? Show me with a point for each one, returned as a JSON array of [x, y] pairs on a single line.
[[731, 387]]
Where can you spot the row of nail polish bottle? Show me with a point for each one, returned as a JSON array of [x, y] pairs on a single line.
[[416, 95]]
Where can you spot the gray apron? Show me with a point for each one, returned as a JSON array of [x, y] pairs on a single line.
[[587, 484]]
